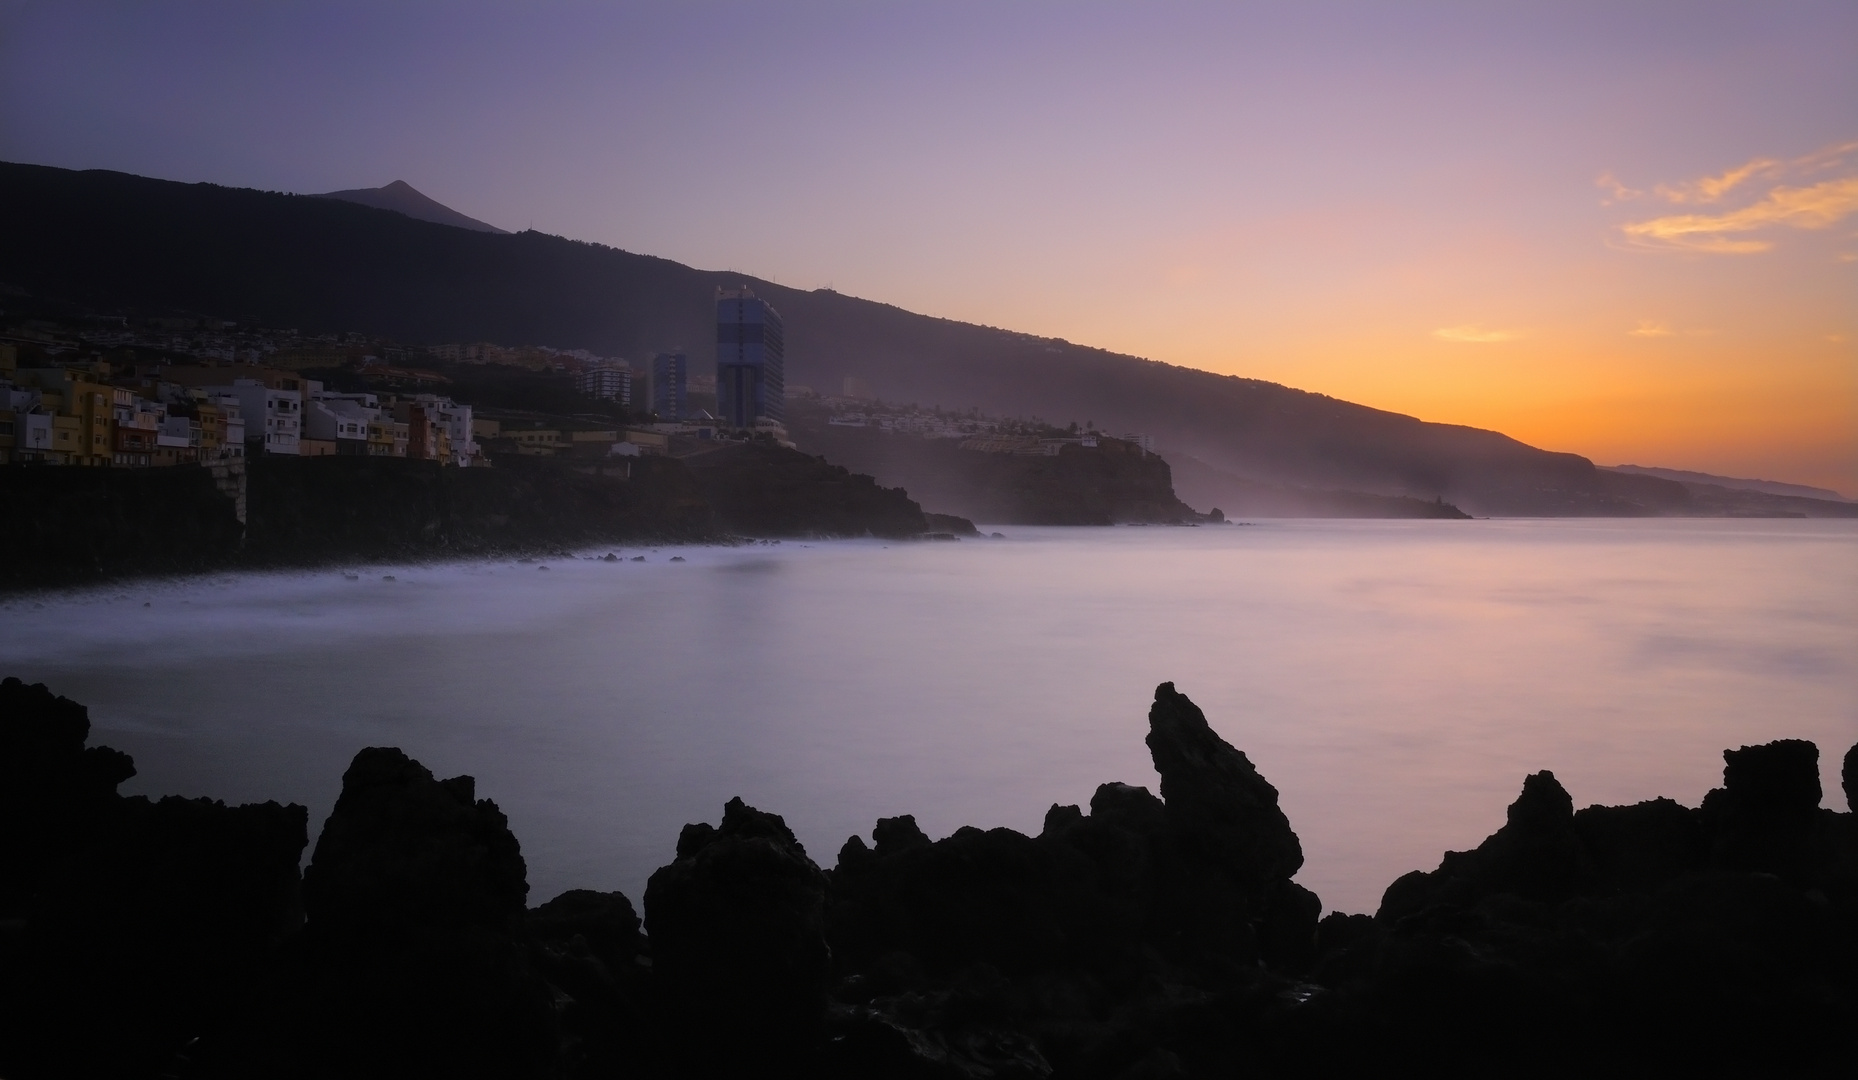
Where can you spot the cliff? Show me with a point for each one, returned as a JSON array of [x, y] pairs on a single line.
[[765, 490], [328, 508], [1142, 936], [68, 525], [1106, 485]]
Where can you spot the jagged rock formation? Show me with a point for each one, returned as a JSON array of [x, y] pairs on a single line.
[[410, 962], [737, 924], [127, 927], [1144, 937], [1647, 939]]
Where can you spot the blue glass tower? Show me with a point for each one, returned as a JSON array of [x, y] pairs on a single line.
[[670, 375], [750, 368]]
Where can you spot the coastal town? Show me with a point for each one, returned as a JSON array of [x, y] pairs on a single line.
[[157, 392]]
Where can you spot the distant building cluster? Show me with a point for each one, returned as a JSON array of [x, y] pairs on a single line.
[[982, 434], [86, 412]]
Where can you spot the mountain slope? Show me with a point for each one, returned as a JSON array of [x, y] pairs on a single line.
[[120, 242], [1766, 487], [402, 197]]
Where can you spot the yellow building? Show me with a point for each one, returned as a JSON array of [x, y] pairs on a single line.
[[387, 437], [68, 441], [70, 392]]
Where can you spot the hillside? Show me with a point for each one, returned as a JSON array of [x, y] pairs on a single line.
[[1737, 483], [125, 243]]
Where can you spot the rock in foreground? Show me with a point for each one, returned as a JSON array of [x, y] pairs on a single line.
[[1143, 935]]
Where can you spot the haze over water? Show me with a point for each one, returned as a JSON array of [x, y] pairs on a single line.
[[1394, 680]]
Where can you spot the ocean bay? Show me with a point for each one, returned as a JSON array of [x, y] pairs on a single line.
[[1394, 680]]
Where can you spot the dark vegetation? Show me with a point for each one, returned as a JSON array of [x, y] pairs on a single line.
[[120, 243], [67, 526], [1141, 936]]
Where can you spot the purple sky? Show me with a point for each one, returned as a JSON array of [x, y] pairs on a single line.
[[1397, 204]]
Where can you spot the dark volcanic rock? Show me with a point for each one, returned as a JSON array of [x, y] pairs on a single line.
[[1538, 855], [1773, 783], [410, 964], [134, 926], [404, 850], [56, 794], [1620, 940], [588, 946], [1233, 847], [1848, 778], [1140, 936], [1108, 933], [1638, 847], [737, 925]]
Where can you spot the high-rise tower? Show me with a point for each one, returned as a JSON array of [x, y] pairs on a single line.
[[750, 372], [670, 375]]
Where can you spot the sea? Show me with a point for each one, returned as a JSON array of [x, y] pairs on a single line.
[[1395, 680]]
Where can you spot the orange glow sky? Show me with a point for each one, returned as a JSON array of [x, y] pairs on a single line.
[[1627, 231]]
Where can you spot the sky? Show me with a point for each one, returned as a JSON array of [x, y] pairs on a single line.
[[1624, 230]]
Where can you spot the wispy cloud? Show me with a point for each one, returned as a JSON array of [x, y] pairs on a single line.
[[1648, 328], [1615, 191], [1712, 188], [1472, 332], [1817, 206]]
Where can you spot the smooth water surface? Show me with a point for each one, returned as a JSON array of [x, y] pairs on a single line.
[[1394, 680]]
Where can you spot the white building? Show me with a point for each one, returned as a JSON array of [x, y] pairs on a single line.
[[455, 421], [340, 419], [609, 381], [273, 418]]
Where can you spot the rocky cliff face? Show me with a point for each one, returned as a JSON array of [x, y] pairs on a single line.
[[64, 525], [1144, 936], [70, 525], [765, 490], [1078, 486], [310, 509]]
